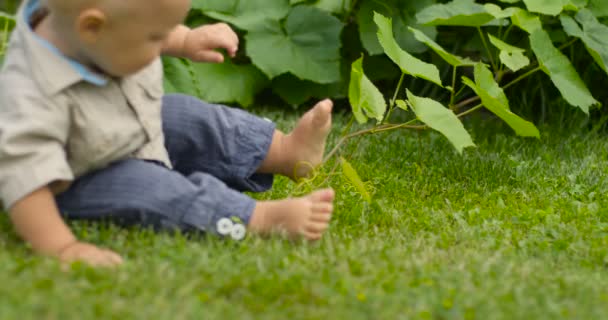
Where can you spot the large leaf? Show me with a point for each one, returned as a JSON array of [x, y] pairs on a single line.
[[402, 12], [599, 7], [365, 99], [224, 82], [452, 59], [334, 6], [408, 63], [526, 21], [548, 7], [247, 15], [495, 100], [560, 70], [593, 33], [307, 44], [442, 119], [511, 56], [179, 78], [458, 13]]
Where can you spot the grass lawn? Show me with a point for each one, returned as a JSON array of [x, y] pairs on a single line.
[[515, 229]]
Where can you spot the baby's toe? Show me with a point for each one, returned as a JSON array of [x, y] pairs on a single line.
[[323, 207], [325, 195], [317, 227]]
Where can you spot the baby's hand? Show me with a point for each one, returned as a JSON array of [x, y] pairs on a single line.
[[89, 254], [201, 43]]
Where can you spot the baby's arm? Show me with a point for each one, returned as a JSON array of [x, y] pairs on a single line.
[[37, 220], [201, 44], [34, 134]]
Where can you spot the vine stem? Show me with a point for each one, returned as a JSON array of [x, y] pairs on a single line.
[[382, 128], [475, 108], [390, 127], [394, 100], [485, 45], [466, 102], [522, 77], [453, 95]]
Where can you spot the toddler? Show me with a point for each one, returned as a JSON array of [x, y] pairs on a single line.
[[86, 133]]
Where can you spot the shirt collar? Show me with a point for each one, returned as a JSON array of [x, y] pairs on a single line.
[[56, 71]]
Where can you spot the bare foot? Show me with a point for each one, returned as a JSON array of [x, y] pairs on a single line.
[[307, 217], [304, 147]]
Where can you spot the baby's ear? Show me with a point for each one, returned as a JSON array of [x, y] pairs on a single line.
[[90, 23]]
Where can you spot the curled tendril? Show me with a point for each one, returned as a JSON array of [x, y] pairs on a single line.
[[306, 184], [300, 165]]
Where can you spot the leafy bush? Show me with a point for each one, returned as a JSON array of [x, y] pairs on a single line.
[[7, 23], [302, 49], [299, 49], [496, 26]]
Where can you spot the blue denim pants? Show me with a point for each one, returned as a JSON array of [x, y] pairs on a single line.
[[215, 152]]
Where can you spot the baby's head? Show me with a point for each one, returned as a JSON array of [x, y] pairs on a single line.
[[118, 36]]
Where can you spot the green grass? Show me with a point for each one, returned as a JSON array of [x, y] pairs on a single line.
[[515, 229]]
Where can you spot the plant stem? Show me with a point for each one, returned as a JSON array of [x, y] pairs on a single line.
[[505, 36], [466, 102], [475, 108], [567, 44], [390, 127], [485, 45], [378, 129], [453, 93], [522, 77], [392, 102]]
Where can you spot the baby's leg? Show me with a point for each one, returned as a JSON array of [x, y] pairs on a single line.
[[242, 150], [227, 143], [137, 192], [239, 148], [295, 155]]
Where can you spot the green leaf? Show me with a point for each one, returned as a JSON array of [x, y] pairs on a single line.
[[247, 15], [456, 13], [453, 60], [353, 177], [334, 6], [495, 100], [223, 83], [560, 70], [575, 5], [408, 63], [548, 7], [599, 7], [6, 17], [307, 44], [401, 104], [526, 20], [365, 99], [510, 56], [593, 33], [402, 12], [178, 78], [442, 119], [7, 23]]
